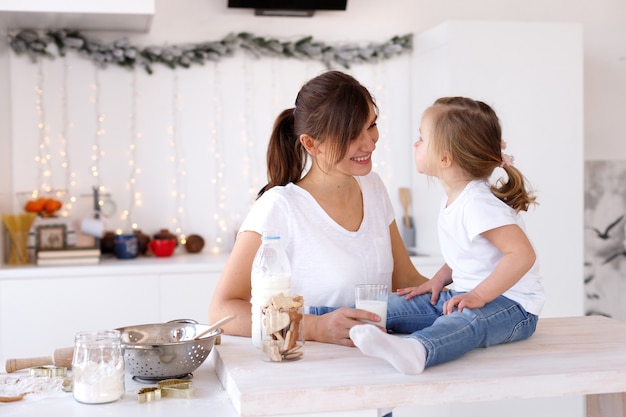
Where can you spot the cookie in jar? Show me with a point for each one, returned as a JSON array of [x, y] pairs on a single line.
[[282, 328]]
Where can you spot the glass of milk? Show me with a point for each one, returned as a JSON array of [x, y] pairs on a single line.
[[373, 298]]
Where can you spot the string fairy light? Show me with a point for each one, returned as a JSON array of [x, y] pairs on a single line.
[[135, 197], [179, 180], [247, 122], [216, 149], [380, 165], [43, 156], [66, 166], [96, 152], [96, 149]]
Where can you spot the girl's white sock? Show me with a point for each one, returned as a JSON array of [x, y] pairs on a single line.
[[407, 355]]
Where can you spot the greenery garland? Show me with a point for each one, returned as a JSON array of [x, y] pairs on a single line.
[[121, 53]]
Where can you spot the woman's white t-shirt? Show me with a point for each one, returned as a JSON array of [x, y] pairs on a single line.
[[328, 261], [472, 257]]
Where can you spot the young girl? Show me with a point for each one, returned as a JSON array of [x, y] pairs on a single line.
[[497, 293]]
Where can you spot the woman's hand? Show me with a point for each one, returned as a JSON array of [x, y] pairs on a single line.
[[334, 327]]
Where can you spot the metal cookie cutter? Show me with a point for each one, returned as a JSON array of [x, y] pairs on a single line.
[[176, 388], [149, 394], [48, 371], [68, 384]]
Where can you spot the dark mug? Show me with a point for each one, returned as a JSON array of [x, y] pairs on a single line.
[[126, 246]]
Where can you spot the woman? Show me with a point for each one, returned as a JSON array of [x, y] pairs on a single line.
[[335, 219]]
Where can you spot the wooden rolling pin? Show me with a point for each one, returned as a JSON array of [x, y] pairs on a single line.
[[61, 357]]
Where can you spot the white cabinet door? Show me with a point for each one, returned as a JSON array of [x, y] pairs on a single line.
[[38, 315]]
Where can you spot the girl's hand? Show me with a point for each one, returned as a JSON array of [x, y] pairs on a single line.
[[334, 327], [460, 301], [411, 292], [433, 286]]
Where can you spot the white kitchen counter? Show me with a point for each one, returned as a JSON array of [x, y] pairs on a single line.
[[209, 399]]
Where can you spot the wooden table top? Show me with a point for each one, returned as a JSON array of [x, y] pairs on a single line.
[[566, 356]]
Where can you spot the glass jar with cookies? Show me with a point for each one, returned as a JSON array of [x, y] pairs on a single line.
[[282, 328]]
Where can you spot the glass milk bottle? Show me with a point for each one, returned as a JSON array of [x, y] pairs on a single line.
[[271, 274], [98, 367]]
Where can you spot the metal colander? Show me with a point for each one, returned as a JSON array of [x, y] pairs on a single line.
[[165, 350]]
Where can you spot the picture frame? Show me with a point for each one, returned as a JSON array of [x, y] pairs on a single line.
[[605, 238], [53, 236]]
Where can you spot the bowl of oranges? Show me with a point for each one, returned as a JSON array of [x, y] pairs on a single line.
[[44, 204]]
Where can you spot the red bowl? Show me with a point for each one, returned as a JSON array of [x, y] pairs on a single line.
[[162, 247]]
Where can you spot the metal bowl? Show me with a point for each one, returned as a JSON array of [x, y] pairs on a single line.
[[165, 350]]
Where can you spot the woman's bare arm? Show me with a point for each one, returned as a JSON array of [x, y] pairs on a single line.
[[233, 289]]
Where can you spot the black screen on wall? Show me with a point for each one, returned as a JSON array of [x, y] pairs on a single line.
[[289, 5]]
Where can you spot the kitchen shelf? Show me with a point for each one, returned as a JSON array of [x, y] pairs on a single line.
[[178, 263]]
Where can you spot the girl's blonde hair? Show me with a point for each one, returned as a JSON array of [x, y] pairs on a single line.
[[469, 132]]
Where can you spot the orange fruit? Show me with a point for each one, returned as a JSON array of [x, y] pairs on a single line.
[[35, 206], [31, 206], [51, 205]]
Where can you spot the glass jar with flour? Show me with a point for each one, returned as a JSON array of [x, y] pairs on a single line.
[[98, 367]]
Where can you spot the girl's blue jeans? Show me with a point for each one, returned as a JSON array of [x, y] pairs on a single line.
[[447, 337]]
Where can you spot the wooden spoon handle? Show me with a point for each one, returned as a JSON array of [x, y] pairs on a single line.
[[215, 325]]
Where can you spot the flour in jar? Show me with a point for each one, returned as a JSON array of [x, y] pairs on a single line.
[[96, 383]]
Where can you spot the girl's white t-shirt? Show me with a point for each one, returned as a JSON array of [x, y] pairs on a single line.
[[470, 255], [328, 261]]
